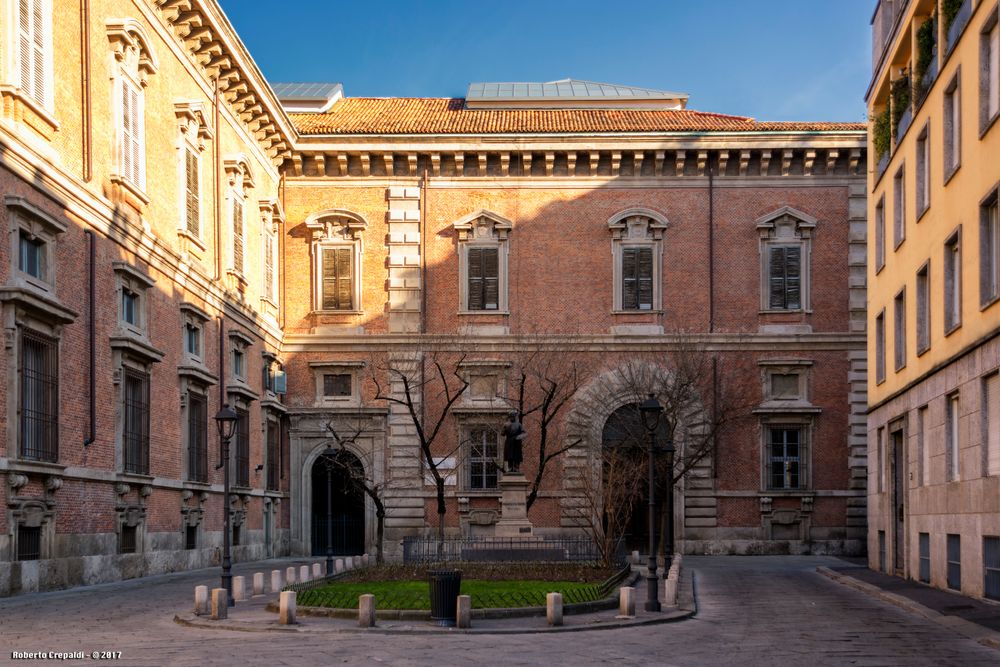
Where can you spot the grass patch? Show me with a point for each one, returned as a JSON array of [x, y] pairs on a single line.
[[416, 594]]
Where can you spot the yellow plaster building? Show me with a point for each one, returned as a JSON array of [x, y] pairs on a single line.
[[934, 287]]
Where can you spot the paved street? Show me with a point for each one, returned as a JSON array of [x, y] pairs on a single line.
[[752, 611]]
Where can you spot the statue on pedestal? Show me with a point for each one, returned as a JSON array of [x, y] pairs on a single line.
[[513, 434]]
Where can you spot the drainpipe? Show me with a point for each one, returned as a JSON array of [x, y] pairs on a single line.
[[91, 328], [423, 253], [711, 316], [88, 166], [218, 187], [281, 252], [222, 360]]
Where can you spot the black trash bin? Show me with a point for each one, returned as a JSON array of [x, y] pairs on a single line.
[[446, 586]]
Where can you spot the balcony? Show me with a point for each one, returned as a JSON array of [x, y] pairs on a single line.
[[905, 120], [884, 21], [955, 23]]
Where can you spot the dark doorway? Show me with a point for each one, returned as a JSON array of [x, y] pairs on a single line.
[[345, 512], [898, 500], [626, 476]]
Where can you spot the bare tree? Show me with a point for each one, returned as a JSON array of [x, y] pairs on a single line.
[[366, 482], [436, 383], [542, 385]]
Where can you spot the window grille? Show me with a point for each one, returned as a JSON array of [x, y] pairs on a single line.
[[135, 434], [191, 537], [785, 457], [991, 567], [955, 562], [637, 279], [242, 448], [785, 277], [338, 277], [197, 437], [337, 384], [925, 557], [29, 542], [483, 459], [39, 397], [484, 278], [881, 550], [127, 540], [273, 443]]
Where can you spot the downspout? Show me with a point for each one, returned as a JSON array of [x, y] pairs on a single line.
[[87, 138], [222, 360], [92, 332], [281, 252], [711, 318], [423, 253], [218, 187]]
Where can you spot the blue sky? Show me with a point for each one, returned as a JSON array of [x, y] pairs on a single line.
[[773, 60]]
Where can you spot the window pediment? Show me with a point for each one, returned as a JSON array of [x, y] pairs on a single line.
[[637, 224], [482, 225], [192, 120], [238, 172], [132, 47], [271, 214], [336, 225], [786, 223]]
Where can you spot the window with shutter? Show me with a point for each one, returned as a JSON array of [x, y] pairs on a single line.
[[191, 199], [132, 146], [637, 278], [338, 279], [268, 265], [785, 277], [484, 279], [238, 236], [32, 28]]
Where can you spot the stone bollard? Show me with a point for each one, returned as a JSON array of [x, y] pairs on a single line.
[[201, 600], [290, 575], [258, 583], [276, 584], [670, 592], [554, 608], [239, 588], [303, 574], [338, 566], [286, 608], [365, 560], [348, 564], [317, 570], [635, 557], [220, 604], [626, 602], [366, 611], [464, 616]]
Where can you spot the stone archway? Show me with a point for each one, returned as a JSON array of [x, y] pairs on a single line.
[[338, 505], [593, 407]]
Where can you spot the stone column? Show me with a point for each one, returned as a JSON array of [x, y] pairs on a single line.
[[366, 611]]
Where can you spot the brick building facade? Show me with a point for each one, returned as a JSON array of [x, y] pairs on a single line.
[[181, 236]]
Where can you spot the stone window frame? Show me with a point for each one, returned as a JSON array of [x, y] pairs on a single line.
[[25, 217], [952, 282], [898, 208], [989, 248], [806, 425], [952, 436], [472, 369], [271, 216], [138, 282], [20, 95], [241, 403], [31, 513], [190, 386], [337, 228], [483, 229], [786, 227], [193, 134], [132, 516], [879, 329], [802, 368], [195, 377], [239, 182], [468, 425], [987, 74], [128, 361], [193, 316], [899, 330], [952, 126], [879, 235], [923, 170], [133, 62], [352, 368], [924, 318], [242, 343], [637, 228]]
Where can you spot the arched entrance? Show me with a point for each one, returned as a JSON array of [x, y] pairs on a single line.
[[624, 442], [338, 505]]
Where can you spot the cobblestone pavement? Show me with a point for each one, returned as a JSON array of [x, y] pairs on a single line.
[[752, 611]]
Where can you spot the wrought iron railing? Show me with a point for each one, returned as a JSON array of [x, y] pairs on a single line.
[[503, 549]]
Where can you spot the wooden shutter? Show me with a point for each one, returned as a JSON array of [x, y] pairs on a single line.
[[644, 278], [491, 279], [475, 270], [126, 152], [793, 277], [31, 48], [268, 265], [238, 236], [630, 283], [25, 41], [191, 191], [338, 279], [134, 145], [776, 278]]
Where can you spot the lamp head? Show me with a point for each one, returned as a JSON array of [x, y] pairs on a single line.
[[226, 420], [651, 411]]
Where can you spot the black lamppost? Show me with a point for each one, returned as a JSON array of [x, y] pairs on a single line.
[[328, 458], [226, 420], [651, 410]]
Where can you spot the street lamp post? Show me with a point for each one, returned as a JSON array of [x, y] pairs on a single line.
[[328, 457], [651, 411], [226, 420]]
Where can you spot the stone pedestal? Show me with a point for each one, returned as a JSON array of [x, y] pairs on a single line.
[[514, 509]]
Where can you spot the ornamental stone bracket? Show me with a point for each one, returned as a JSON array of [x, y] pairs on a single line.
[[192, 507], [786, 522]]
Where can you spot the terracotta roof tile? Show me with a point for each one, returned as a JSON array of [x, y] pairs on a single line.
[[399, 115]]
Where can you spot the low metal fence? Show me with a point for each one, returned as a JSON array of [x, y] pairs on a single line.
[[503, 550]]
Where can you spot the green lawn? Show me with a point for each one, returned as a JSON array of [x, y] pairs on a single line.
[[416, 594]]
